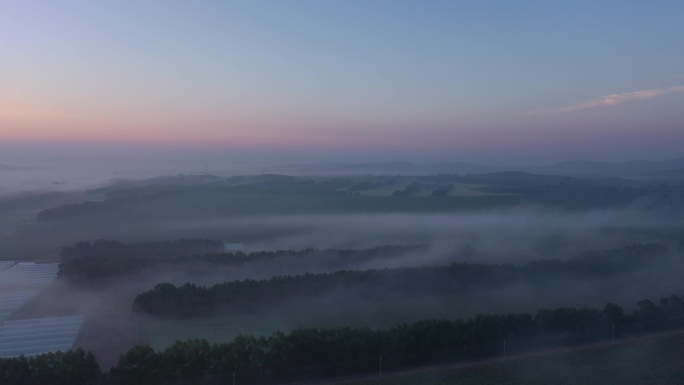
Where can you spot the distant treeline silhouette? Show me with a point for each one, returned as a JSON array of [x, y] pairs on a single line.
[[271, 194], [89, 207], [86, 261], [190, 300], [90, 262], [313, 353]]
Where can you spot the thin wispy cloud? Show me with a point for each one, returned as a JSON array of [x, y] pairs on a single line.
[[611, 100]]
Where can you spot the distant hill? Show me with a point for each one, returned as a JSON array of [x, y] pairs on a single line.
[[516, 177], [4, 167], [622, 169], [386, 168], [636, 168], [677, 173]]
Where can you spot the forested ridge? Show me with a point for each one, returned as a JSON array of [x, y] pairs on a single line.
[[190, 300], [335, 194], [89, 207], [87, 262], [313, 353]]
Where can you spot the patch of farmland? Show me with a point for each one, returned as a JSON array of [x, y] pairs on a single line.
[[162, 333], [651, 360]]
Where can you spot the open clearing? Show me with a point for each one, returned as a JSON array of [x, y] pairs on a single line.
[[648, 360]]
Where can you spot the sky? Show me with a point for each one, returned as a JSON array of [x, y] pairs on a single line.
[[495, 82]]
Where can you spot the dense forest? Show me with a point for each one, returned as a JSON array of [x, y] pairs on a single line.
[[87, 262], [190, 300], [320, 353], [75, 367]]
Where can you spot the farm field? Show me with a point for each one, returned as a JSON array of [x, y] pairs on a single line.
[[19, 225], [162, 333], [646, 360], [373, 192], [239, 208], [354, 309], [497, 219], [212, 210]]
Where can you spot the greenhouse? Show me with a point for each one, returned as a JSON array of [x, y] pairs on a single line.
[[36, 336], [19, 284]]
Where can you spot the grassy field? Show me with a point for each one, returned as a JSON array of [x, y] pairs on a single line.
[[304, 312], [22, 236], [353, 309], [162, 333], [173, 208], [208, 213], [650, 360]]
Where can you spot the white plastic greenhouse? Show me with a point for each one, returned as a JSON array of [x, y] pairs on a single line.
[[19, 284]]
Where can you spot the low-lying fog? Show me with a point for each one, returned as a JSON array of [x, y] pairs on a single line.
[[112, 322], [507, 235], [512, 235], [42, 177], [515, 235], [66, 167]]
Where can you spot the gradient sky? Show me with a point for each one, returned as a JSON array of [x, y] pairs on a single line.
[[486, 81]]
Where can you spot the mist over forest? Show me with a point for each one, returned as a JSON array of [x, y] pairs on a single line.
[[350, 192], [202, 256]]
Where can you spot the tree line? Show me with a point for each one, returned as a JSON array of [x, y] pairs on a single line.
[[89, 207], [102, 259], [86, 261], [190, 300], [312, 353], [73, 367], [342, 193]]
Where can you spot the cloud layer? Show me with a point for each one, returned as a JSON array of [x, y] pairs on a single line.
[[612, 100]]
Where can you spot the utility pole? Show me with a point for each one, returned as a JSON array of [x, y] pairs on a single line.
[[233, 378], [612, 333], [381, 365], [504, 350]]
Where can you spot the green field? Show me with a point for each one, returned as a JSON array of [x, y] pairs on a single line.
[[185, 207], [328, 310], [22, 237], [202, 211], [162, 333], [650, 360], [276, 212]]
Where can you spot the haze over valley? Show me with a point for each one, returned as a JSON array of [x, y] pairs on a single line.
[[394, 192]]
